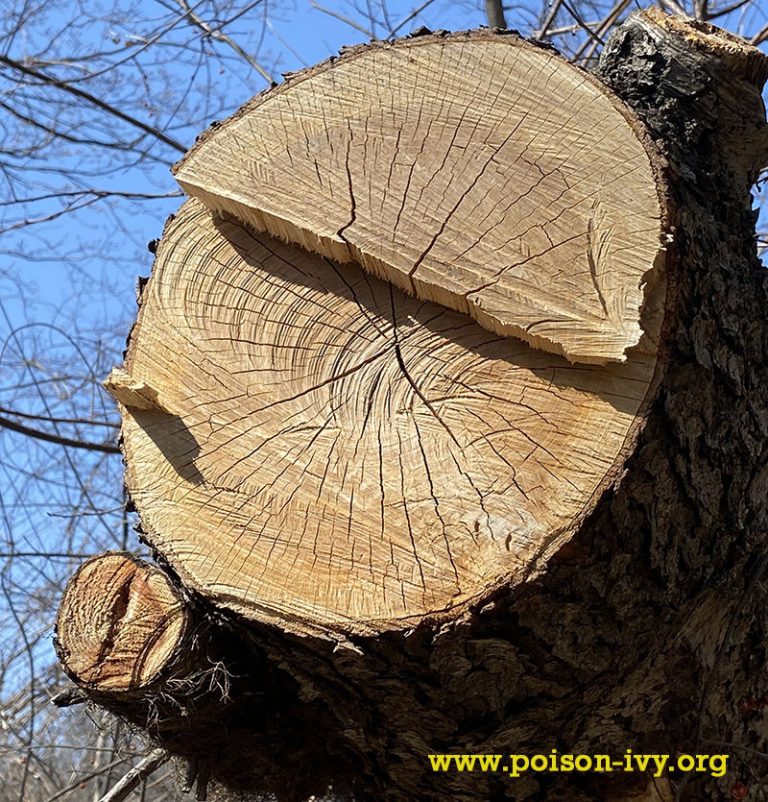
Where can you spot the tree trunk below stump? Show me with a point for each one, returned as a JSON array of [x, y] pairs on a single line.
[[591, 580]]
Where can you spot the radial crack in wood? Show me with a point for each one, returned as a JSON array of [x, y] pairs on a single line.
[[348, 458], [477, 171], [120, 624]]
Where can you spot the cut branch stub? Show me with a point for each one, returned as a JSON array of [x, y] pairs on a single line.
[[120, 624], [335, 455], [477, 171]]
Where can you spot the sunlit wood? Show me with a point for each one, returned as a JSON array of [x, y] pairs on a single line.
[[331, 453], [477, 171], [120, 624]]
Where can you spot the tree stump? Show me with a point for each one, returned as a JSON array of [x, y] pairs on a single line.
[[444, 409], [121, 623]]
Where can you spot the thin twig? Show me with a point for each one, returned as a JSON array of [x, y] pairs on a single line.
[[64, 555], [548, 21], [583, 25], [672, 6], [100, 193], [608, 22], [341, 18], [87, 778], [215, 33], [94, 101], [106, 448], [143, 769], [760, 36], [415, 13], [84, 421], [721, 12]]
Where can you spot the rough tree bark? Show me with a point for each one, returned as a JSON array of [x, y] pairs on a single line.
[[643, 628]]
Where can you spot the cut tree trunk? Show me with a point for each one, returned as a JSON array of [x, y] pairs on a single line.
[[397, 532], [478, 171]]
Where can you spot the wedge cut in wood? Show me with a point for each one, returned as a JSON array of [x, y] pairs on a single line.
[[477, 171], [120, 624], [331, 454]]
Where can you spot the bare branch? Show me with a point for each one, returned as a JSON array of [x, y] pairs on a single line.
[[94, 101], [83, 421], [341, 18], [143, 769], [672, 6], [543, 32], [415, 13], [583, 25], [494, 11], [7, 423], [608, 22], [760, 37], [215, 33]]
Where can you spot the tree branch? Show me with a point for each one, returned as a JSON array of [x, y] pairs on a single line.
[[94, 101], [215, 33], [47, 419], [137, 774], [494, 10], [7, 423]]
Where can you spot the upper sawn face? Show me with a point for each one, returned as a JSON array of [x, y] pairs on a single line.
[[477, 171]]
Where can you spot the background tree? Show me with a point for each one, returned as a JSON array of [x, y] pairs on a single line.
[[97, 100]]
